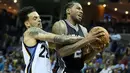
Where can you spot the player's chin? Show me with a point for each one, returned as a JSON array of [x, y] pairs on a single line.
[[79, 21], [40, 26]]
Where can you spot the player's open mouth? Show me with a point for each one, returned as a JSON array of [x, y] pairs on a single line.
[[80, 15], [39, 24]]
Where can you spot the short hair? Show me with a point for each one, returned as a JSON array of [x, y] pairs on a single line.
[[69, 5], [22, 14]]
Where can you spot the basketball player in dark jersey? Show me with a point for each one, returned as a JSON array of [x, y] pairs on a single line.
[[71, 26], [35, 42]]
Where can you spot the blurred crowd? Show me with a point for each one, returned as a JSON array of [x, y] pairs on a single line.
[[114, 59], [11, 60]]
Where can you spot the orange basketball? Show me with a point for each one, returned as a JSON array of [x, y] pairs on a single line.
[[104, 39]]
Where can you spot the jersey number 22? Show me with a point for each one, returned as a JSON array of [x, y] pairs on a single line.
[[44, 52]]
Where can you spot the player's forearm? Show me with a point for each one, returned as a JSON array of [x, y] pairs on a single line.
[[64, 39], [70, 49], [39, 34], [59, 39]]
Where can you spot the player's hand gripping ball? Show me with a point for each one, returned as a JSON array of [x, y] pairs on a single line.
[[104, 39]]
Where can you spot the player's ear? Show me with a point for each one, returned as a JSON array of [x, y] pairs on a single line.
[[68, 11], [27, 24]]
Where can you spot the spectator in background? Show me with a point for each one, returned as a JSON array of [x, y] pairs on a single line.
[[119, 67], [99, 58], [128, 59], [107, 67], [1, 63], [115, 37]]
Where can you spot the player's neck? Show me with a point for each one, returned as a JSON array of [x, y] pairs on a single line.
[[71, 21]]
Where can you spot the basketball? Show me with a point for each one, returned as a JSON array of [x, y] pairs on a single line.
[[104, 39]]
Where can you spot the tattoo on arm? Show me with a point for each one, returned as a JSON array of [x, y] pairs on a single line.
[[64, 39], [59, 39], [34, 31]]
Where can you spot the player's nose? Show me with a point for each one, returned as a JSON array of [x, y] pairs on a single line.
[[39, 20]]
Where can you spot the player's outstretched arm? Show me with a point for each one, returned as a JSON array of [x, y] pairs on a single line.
[[90, 38], [60, 28], [70, 49], [39, 34]]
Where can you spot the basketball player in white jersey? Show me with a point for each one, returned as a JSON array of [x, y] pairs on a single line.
[[35, 42]]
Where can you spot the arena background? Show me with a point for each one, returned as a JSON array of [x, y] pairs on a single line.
[[110, 14]]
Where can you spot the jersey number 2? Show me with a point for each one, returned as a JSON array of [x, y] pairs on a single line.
[[44, 52]]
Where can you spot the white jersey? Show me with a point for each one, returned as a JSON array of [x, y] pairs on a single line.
[[39, 62]]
